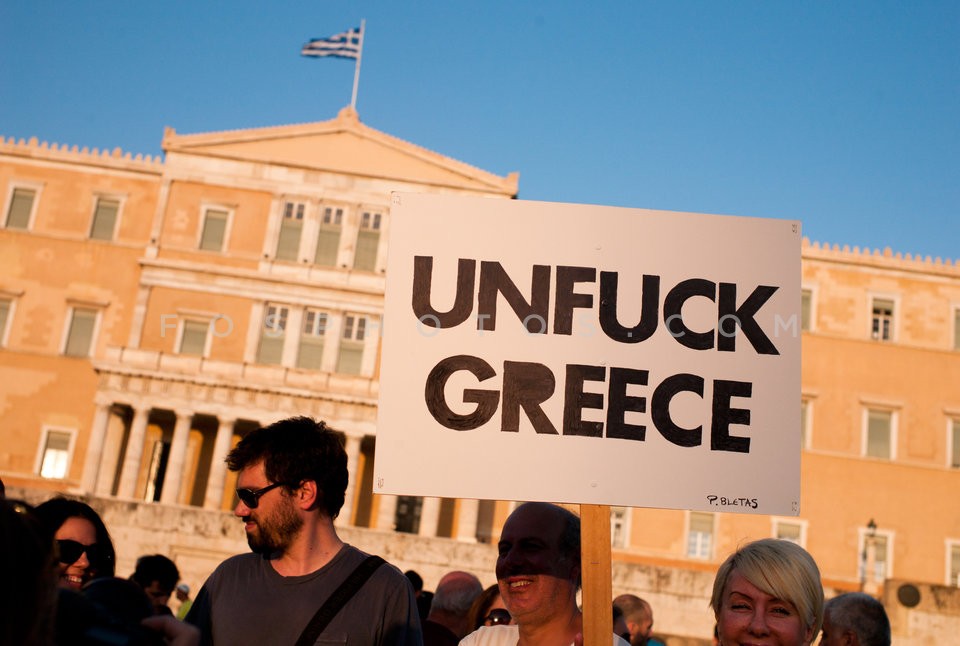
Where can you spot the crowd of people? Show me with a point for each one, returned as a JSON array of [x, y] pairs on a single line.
[[301, 583]]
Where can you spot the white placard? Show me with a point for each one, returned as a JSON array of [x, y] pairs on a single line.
[[588, 354]]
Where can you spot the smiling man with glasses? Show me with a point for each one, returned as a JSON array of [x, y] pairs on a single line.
[[292, 477]]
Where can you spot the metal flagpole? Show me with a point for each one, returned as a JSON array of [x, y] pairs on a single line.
[[356, 74]]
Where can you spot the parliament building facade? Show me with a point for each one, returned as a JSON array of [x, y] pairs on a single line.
[[153, 311]]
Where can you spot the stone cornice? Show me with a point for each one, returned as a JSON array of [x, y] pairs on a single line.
[[115, 159], [875, 258]]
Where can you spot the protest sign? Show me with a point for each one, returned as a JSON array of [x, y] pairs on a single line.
[[588, 354]]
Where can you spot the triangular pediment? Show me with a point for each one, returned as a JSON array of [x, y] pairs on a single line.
[[341, 145]]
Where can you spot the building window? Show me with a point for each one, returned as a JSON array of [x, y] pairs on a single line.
[[956, 328], [193, 337], [80, 333], [310, 353], [55, 453], [368, 241], [20, 208], [954, 444], [328, 239], [953, 563], [806, 310], [214, 230], [291, 226], [804, 423], [875, 556], [272, 335], [700, 535], [619, 527], [104, 218], [6, 314], [878, 442], [881, 327], [789, 530], [351, 344]]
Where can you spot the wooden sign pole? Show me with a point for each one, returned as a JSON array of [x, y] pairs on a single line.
[[595, 558]]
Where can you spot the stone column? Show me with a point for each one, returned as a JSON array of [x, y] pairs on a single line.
[[429, 516], [467, 520], [387, 513], [173, 477], [134, 454], [352, 446], [98, 436], [218, 468]]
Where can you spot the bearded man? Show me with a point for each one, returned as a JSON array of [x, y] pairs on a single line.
[[292, 477]]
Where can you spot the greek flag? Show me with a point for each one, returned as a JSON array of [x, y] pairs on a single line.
[[345, 45]]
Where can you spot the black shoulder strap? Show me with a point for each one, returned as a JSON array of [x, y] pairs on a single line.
[[338, 600]]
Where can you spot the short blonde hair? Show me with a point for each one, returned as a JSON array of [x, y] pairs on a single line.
[[781, 569]]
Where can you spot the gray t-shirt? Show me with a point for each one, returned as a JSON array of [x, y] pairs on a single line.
[[245, 601]]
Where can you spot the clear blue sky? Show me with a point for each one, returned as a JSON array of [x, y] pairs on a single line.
[[845, 115]]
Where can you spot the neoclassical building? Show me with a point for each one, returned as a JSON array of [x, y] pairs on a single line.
[[153, 311]]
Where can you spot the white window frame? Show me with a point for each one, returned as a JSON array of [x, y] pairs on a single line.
[[120, 200], [338, 224], [37, 188], [319, 314], [351, 341], [205, 208], [621, 540], [303, 219], [776, 522], [812, 290], [712, 548], [888, 536], [73, 307], [894, 423], [377, 223], [894, 317], [952, 544], [46, 430], [262, 326]]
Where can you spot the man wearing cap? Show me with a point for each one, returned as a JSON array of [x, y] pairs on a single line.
[[183, 596]]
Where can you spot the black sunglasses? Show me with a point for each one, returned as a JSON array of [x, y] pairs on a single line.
[[496, 617], [69, 552], [251, 497]]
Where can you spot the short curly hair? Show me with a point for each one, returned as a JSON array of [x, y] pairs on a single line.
[[297, 449]]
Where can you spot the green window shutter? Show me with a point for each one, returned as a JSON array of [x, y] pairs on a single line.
[[21, 204], [104, 219], [366, 256], [878, 434], [214, 230], [328, 244], [351, 358], [194, 339], [80, 336], [288, 244]]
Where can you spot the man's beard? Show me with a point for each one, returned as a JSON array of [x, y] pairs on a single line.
[[275, 533]]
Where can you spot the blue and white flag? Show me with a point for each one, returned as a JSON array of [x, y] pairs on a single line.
[[345, 45]]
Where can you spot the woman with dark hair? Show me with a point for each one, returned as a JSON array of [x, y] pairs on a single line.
[[83, 543], [488, 609], [28, 601]]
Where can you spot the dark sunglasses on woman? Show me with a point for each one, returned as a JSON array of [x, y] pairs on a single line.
[[497, 617], [70, 551]]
